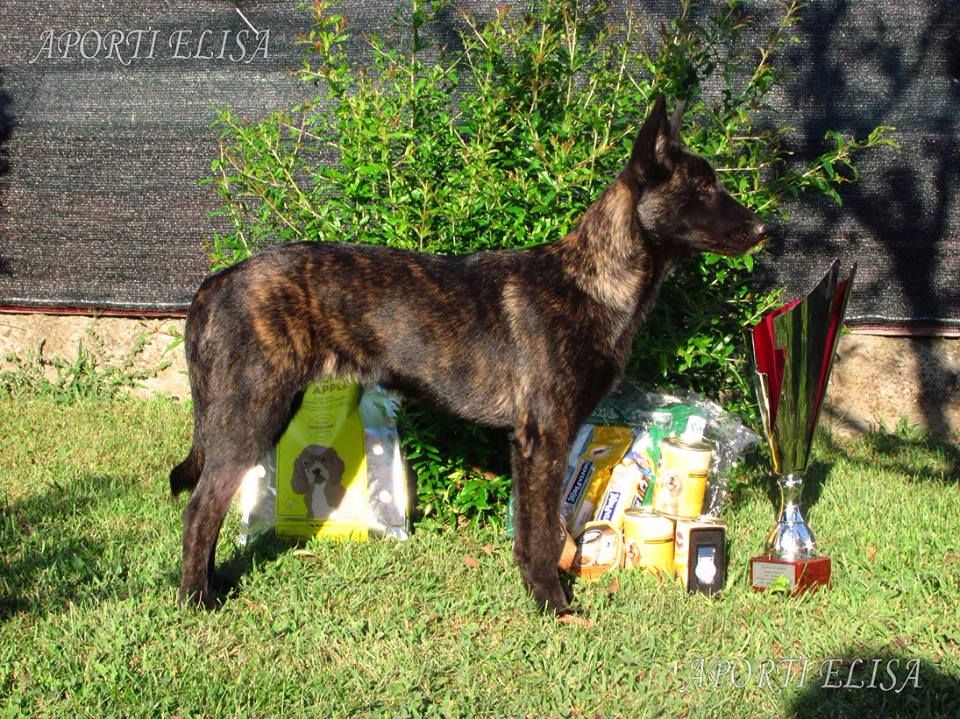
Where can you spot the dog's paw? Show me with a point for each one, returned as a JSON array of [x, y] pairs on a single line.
[[575, 618], [197, 598], [550, 597]]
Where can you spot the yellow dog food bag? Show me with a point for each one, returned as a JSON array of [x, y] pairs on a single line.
[[587, 477], [322, 466], [336, 472]]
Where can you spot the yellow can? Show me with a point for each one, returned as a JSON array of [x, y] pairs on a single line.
[[682, 479], [648, 541]]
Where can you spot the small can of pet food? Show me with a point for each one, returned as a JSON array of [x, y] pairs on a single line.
[[599, 550], [648, 541], [700, 546], [682, 479]]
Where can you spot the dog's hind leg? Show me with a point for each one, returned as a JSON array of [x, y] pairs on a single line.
[[247, 425], [538, 459], [184, 476], [202, 519]]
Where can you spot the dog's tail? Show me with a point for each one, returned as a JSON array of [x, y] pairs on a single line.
[[185, 475]]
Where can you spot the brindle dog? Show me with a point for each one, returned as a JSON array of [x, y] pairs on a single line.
[[529, 340]]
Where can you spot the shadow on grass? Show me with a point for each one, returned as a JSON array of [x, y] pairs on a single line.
[[905, 451], [49, 556], [263, 549], [879, 683]]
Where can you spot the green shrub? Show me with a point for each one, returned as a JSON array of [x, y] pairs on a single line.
[[503, 141]]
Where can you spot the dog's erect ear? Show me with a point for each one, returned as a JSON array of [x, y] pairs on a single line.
[[651, 150]]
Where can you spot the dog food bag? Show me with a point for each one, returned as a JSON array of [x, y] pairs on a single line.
[[322, 466], [624, 491], [579, 443], [583, 492], [388, 487], [573, 483], [336, 472], [634, 475], [638, 462]]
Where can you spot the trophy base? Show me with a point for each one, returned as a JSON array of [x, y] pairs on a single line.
[[800, 574]]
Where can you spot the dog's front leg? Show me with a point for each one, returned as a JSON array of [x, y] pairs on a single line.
[[538, 458]]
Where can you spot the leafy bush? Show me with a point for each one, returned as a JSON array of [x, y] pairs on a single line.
[[503, 141]]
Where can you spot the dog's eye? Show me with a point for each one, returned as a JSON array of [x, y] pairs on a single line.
[[706, 186]]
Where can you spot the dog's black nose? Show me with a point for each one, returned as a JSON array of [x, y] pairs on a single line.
[[761, 232]]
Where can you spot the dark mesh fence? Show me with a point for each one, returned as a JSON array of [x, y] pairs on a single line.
[[861, 65], [105, 114], [101, 207]]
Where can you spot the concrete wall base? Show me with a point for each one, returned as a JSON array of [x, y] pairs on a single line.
[[110, 341]]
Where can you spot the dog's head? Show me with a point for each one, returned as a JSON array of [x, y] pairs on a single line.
[[680, 202]]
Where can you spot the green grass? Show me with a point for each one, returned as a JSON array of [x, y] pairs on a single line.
[[439, 625]]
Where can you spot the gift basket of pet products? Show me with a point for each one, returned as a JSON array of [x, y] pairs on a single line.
[[646, 481]]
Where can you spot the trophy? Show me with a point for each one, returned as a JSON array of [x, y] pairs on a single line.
[[792, 353]]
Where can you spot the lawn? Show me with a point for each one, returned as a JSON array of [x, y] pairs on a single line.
[[439, 625]]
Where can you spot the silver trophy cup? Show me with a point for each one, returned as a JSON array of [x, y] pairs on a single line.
[[792, 352]]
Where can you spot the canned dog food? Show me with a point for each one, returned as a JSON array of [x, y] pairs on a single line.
[[682, 479], [599, 550], [648, 541]]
